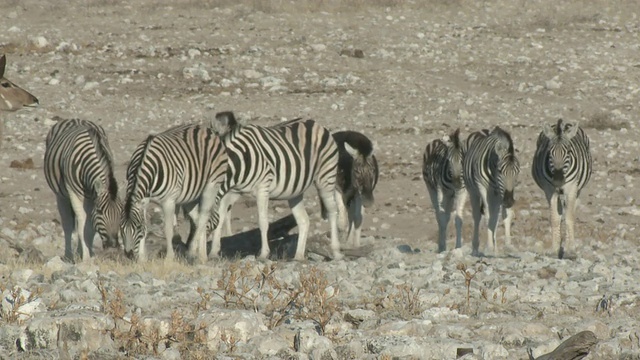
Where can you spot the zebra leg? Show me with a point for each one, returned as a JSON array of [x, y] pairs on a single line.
[[168, 209], [207, 201], [262, 201], [554, 210], [461, 198], [224, 208], [568, 250], [89, 230], [302, 220], [343, 216], [476, 212], [507, 218], [493, 207], [67, 219], [442, 218], [356, 212], [329, 200], [77, 205]]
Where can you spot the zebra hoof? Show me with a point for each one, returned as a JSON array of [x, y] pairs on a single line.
[[567, 255]]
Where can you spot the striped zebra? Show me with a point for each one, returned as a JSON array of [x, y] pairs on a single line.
[[562, 167], [442, 173], [182, 166], [357, 178], [490, 172], [12, 97], [78, 166], [278, 162]]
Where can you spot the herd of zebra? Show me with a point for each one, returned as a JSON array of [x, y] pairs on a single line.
[[203, 170], [486, 168]]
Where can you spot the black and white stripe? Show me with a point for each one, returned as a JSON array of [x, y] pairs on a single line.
[[490, 169], [442, 173], [78, 166], [278, 162], [184, 165], [561, 167]]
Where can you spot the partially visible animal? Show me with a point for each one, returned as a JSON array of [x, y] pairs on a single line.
[[356, 181], [562, 167], [490, 173], [12, 97], [278, 162], [78, 166], [443, 175], [180, 167]]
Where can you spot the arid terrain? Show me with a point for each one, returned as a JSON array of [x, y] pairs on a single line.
[[402, 72]]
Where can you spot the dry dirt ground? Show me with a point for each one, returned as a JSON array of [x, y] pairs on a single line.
[[429, 67]]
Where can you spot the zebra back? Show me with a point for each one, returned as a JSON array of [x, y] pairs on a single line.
[[291, 156], [562, 156], [181, 160], [442, 163], [491, 162]]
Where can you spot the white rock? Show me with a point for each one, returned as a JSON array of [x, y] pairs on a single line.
[[39, 42]]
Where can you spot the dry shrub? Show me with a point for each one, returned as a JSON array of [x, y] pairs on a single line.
[[603, 120]]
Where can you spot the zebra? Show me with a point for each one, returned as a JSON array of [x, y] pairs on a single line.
[[490, 172], [12, 97], [357, 178], [78, 166], [443, 175], [278, 162], [180, 167], [562, 167]]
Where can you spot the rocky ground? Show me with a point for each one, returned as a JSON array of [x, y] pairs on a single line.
[[402, 72]]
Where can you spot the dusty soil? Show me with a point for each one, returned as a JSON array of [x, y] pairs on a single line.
[[428, 67]]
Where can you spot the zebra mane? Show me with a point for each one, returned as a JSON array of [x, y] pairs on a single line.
[[106, 160], [455, 139], [133, 171]]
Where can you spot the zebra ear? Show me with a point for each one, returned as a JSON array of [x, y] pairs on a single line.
[[223, 123], [548, 130], [353, 152], [570, 129]]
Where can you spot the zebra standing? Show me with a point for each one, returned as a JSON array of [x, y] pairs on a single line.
[[78, 166], [442, 173], [181, 166], [357, 178], [562, 166], [278, 162], [490, 173]]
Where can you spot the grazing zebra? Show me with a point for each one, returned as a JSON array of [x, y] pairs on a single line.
[[278, 162], [442, 173], [78, 166], [357, 178], [490, 172], [562, 167], [180, 166], [12, 97]]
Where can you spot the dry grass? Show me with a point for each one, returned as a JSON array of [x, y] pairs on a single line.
[[603, 120]]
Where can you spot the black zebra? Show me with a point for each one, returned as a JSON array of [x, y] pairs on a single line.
[[78, 166], [278, 162], [562, 167], [183, 166], [442, 173], [357, 178], [490, 169]]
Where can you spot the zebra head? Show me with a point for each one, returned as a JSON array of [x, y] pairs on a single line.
[[364, 172], [106, 216], [456, 150], [224, 123], [132, 228], [559, 157], [508, 167]]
